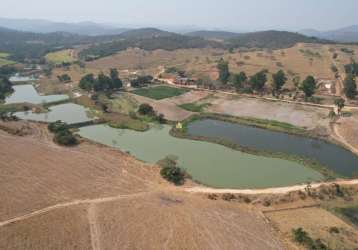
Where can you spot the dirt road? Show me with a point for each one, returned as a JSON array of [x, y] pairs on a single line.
[[279, 190]]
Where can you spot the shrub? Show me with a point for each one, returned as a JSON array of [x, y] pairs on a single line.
[[63, 136], [146, 109], [57, 126], [302, 237], [171, 172]]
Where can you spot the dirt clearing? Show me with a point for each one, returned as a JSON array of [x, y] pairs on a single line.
[[298, 115]]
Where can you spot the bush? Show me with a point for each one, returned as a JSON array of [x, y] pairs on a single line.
[[63, 136], [146, 109], [302, 237], [171, 172], [57, 126]]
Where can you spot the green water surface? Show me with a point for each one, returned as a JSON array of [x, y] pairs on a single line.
[[211, 164]]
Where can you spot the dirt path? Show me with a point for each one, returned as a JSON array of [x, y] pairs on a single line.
[[68, 204], [279, 190], [94, 230]]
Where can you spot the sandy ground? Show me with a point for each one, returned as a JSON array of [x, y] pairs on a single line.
[[94, 197], [298, 115]]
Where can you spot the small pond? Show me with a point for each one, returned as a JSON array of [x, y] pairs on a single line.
[[27, 93], [69, 113], [18, 78], [208, 163], [334, 157]]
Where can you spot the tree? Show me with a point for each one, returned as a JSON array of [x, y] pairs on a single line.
[[340, 102], [224, 72], [141, 81], [258, 80], [308, 86], [350, 86], [5, 87], [116, 81], [103, 83], [239, 79], [146, 109], [64, 78], [87, 82], [171, 172], [279, 79]]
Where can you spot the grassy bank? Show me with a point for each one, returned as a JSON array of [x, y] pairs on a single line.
[[194, 107], [159, 92], [265, 124]]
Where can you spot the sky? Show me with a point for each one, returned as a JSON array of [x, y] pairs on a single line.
[[235, 15]]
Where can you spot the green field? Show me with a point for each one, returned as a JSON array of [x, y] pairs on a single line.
[[4, 60], [193, 107], [160, 92], [65, 56]]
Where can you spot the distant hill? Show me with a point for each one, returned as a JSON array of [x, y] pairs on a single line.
[[44, 26], [28, 45], [346, 34], [208, 34], [271, 39], [148, 39], [145, 33]]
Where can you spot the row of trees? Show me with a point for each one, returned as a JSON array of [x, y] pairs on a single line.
[[102, 82], [350, 86], [257, 81]]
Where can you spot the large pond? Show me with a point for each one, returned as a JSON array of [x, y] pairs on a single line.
[[69, 113], [27, 93], [208, 163], [332, 156]]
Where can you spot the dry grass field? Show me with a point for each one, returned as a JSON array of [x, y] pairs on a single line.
[[298, 61], [58, 57], [317, 222], [94, 197]]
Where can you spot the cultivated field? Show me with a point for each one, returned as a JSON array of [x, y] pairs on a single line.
[[94, 197]]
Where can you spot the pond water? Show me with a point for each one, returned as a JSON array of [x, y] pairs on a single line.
[[18, 78], [27, 93], [69, 113], [334, 157], [208, 163]]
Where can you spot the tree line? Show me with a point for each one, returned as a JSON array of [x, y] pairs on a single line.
[[102, 82], [257, 82]]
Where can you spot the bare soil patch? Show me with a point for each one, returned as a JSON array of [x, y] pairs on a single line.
[[298, 115], [166, 107]]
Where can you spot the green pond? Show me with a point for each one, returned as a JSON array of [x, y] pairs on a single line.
[[68, 112], [27, 93], [208, 163]]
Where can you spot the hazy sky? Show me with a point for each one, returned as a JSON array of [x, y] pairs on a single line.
[[217, 14]]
